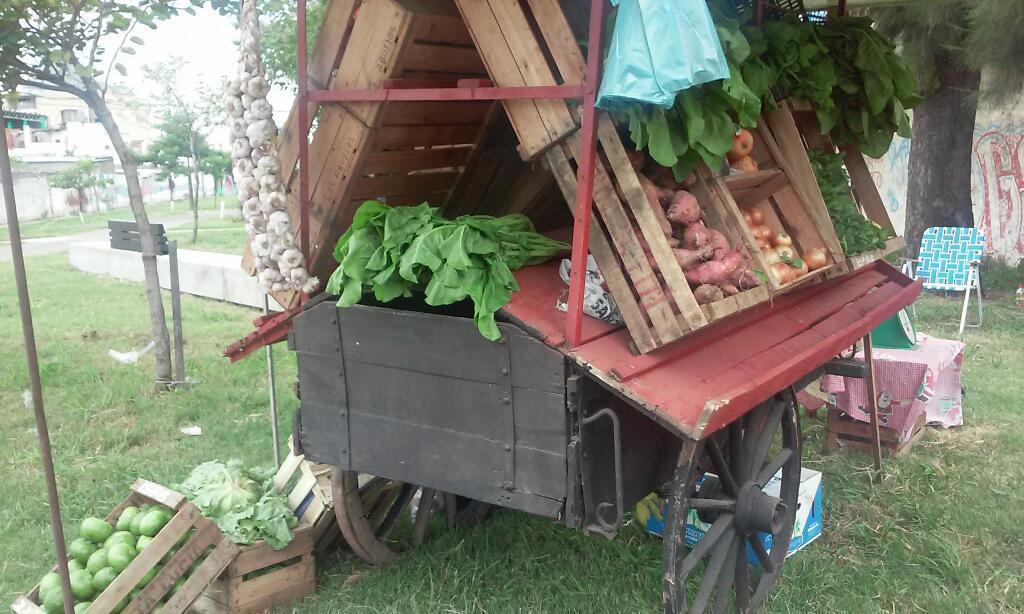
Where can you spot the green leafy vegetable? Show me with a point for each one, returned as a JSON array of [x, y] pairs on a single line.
[[856, 233], [392, 251], [242, 501]]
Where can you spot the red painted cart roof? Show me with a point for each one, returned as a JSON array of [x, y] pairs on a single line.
[[711, 377]]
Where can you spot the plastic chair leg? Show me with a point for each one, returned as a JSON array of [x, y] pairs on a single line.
[[981, 311]]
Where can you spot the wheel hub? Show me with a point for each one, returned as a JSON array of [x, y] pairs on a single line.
[[757, 511]]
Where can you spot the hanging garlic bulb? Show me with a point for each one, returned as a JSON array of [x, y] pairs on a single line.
[[280, 264]]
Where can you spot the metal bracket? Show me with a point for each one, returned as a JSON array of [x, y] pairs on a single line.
[[603, 523]]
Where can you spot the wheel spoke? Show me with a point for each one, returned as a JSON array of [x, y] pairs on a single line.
[[712, 573], [764, 440], [726, 579], [423, 514], [724, 473], [718, 528], [761, 553], [736, 452], [773, 466], [401, 502], [713, 505], [742, 578], [451, 503]]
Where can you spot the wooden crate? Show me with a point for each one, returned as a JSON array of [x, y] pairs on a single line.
[[786, 193], [401, 152], [260, 578], [844, 431], [187, 517], [863, 187]]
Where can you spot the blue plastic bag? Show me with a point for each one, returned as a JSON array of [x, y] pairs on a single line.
[[658, 48]]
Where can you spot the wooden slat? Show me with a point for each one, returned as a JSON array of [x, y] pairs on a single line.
[[634, 318], [639, 270], [435, 113], [144, 562], [159, 494], [442, 29], [864, 188], [391, 185], [201, 577], [409, 137], [748, 181], [759, 193], [330, 44], [175, 569], [444, 58], [502, 67], [260, 556], [300, 491], [532, 64], [382, 162], [560, 40], [780, 134], [653, 234], [278, 586]]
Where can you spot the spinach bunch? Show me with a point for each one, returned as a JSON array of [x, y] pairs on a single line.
[[393, 250], [859, 86], [856, 233]]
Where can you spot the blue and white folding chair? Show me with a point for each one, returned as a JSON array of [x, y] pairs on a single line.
[[948, 260]]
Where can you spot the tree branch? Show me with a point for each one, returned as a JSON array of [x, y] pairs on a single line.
[[113, 59]]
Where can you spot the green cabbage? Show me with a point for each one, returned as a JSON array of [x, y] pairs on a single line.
[[242, 501]]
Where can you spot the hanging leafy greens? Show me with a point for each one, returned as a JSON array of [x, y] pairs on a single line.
[[859, 87], [393, 251], [856, 233]]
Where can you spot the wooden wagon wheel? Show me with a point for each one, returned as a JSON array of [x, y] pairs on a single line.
[[367, 514], [745, 456]]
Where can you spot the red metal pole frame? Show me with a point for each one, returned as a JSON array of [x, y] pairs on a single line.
[[585, 177], [302, 79]]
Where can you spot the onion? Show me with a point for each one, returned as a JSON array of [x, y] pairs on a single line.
[[783, 273], [756, 216], [786, 251], [748, 219], [815, 258], [782, 239]]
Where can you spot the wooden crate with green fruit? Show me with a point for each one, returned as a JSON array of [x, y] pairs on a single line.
[[153, 552]]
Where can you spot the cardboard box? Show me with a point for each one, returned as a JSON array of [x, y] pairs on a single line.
[[806, 526]]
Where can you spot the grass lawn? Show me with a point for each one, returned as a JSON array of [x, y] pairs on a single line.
[[941, 534], [59, 226]]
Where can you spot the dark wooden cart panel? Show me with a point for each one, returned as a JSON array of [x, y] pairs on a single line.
[[423, 398]]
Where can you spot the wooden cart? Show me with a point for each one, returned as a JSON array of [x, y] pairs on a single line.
[[564, 416]]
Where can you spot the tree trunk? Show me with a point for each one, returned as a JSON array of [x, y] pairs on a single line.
[[170, 186], [158, 322], [81, 200], [939, 181]]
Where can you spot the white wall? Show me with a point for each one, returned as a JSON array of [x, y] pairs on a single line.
[[997, 179], [32, 195]]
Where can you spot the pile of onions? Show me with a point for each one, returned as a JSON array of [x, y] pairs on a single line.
[[786, 263], [280, 265]]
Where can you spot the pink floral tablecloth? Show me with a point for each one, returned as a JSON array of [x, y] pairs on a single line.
[[925, 379]]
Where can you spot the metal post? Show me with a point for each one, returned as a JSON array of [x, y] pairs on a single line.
[[179, 341], [272, 389], [872, 394], [32, 360], [302, 100], [585, 176]]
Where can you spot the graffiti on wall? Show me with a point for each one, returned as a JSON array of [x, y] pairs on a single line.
[[998, 178], [997, 183]]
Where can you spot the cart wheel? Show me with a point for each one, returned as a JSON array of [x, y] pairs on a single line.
[[738, 509], [367, 514]]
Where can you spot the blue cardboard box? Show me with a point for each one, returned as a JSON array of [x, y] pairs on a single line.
[[806, 526]]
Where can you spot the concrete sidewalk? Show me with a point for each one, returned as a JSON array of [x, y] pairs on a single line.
[[206, 274]]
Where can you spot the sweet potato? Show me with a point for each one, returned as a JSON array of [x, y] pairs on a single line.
[[684, 208], [728, 289], [714, 271], [744, 278], [690, 257], [696, 235], [719, 243], [706, 293]]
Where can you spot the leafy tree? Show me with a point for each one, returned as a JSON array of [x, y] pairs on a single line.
[[952, 44], [278, 29], [168, 163], [183, 125], [80, 177], [217, 164], [61, 45]]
